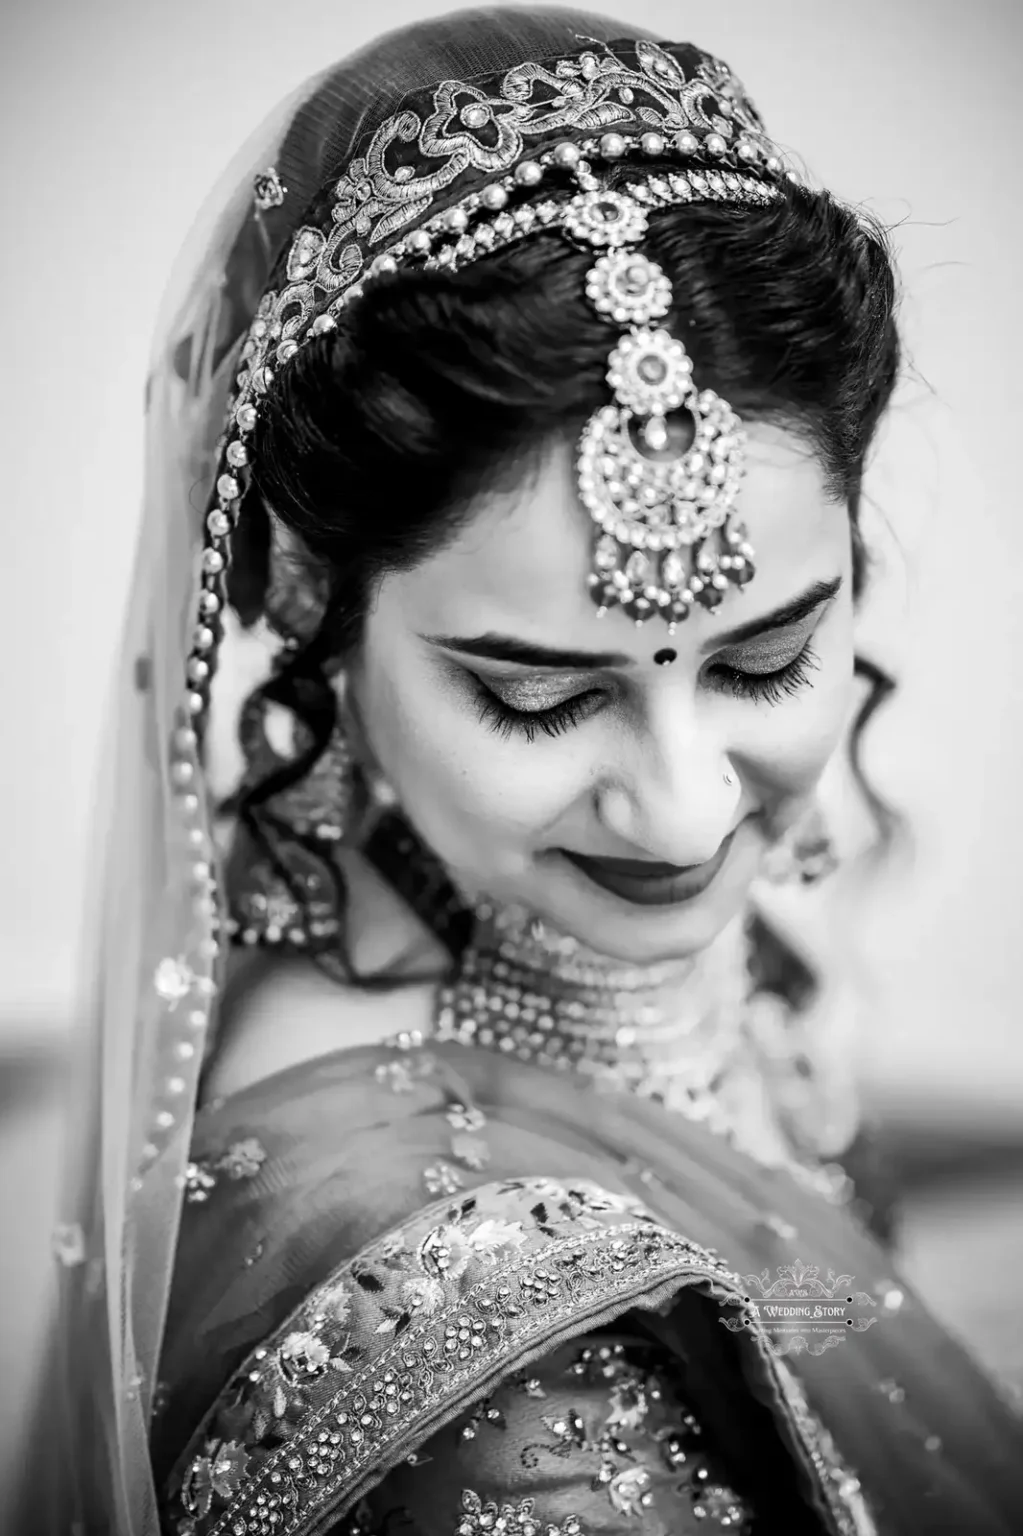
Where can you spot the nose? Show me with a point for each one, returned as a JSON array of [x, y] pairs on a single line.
[[677, 797]]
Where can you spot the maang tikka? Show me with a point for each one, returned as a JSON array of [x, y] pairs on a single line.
[[666, 531]]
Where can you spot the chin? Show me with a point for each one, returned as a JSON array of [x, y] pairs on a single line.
[[646, 935], [623, 930]]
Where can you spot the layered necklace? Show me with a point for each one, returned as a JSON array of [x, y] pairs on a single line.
[[693, 1035], [697, 1035]]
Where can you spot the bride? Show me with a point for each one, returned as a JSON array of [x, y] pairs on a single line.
[[464, 1088]]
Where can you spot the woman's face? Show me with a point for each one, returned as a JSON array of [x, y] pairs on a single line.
[[550, 759]]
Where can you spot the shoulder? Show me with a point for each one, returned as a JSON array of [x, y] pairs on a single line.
[[278, 1011]]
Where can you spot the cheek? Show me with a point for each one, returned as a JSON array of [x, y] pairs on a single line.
[[788, 747], [455, 778]]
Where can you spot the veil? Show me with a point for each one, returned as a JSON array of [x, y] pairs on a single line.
[[157, 943]]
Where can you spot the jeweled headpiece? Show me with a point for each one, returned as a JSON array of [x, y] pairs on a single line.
[[658, 514]]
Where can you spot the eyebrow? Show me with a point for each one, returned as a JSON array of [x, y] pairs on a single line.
[[524, 653]]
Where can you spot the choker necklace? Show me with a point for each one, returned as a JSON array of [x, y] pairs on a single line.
[[678, 1032]]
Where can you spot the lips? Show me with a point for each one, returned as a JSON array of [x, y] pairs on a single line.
[[646, 883]]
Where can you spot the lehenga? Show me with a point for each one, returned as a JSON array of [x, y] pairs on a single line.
[[445, 1286]]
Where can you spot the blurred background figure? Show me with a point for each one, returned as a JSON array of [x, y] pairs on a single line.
[[133, 114]]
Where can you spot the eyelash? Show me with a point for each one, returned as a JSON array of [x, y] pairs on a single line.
[[761, 687]]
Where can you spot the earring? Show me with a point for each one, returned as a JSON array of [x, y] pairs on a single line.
[[729, 779], [282, 882], [807, 855]]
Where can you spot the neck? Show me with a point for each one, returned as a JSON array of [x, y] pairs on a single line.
[[671, 1031]]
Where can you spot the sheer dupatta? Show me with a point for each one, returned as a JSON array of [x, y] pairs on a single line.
[[158, 934]]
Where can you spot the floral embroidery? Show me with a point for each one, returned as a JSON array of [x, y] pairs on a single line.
[[715, 1502], [470, 1150], [198, 1183], [220, 1471], [410, 1326], [629, 1491], [68, 1243], [402, 1074], [442, 1179], [643, 1430], [510, 1519], [242, 1160], [462, 1117]]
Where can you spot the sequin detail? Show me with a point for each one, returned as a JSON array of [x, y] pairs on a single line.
[[410, 1326], [242, 1160]]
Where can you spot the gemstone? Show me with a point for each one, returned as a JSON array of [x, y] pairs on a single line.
[[606, 556], [673, 570], [636, 278], [637, 568], [652, 369]]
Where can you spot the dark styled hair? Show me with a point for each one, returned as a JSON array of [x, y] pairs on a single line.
[[376, 439]]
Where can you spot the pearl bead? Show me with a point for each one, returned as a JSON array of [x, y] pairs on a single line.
[[715, 144], [612, 146], [457, 220], [687, 143], [219, 524], [184, 1051], [652, 144], [528, 173], [213, 562], [420, 241], [322, 324], [185, 740], [566, 155], [237, 454], [196, 703], [198, 670], [747, 151], [175, 1085], [228, 487], [245, 416], [164, 1120], [204, 638], [494, 197], [182, 774]]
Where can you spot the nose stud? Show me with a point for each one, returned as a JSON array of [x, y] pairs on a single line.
[[665, 657], [729, 778]]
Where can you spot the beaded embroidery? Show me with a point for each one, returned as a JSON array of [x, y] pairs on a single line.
[[451, 1302], [242, 1160]]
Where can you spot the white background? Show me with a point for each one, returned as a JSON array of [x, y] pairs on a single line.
[[117, 115]]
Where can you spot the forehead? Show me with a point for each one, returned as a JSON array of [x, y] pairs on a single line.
[[519, 566]]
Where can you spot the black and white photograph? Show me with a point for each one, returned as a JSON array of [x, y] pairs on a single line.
[[510, 1011]]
